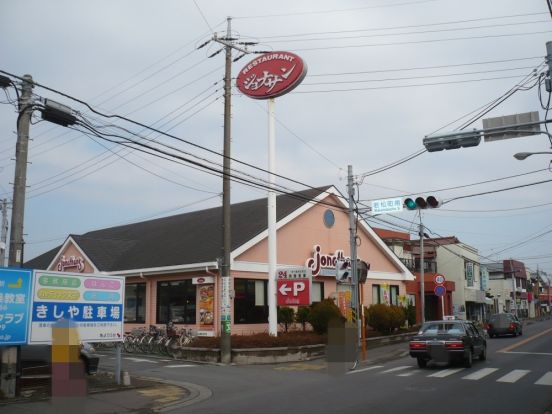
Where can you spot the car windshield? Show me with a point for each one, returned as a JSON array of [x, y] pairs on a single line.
[[440, 328]]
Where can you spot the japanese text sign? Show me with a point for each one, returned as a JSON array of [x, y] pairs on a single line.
[[15, 298], [94, 302], [294, 287]]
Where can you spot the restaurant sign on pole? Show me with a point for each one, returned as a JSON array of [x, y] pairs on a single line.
[[94, 302], [15, 298]]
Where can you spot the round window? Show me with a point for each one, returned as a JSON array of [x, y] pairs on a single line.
[[329, 218]]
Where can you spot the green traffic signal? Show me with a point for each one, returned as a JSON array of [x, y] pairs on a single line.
[[421, 203]]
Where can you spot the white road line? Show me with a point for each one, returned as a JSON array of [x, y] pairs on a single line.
[[166, 360], [513, 376], [477, 375], [446, 372], [407, 374], [528, 353], [546, 379], [401, 368], [179, 366], [140, 360], [356, 371]]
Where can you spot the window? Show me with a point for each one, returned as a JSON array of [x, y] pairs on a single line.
[[135, 303], [376, 298], [317, 292], [441, 328], [394, 294], [250, 301], [176, 301]]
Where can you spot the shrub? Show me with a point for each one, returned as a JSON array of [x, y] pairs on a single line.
[[302, 316], [411, 315], [286, 316], [321, 314], [384, 318]]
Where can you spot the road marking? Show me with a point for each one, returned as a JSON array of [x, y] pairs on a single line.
[[528, 353], [140, 360], [407, 374], [397, 369], [477, 375], [446, 373], [166, 360], [546, 379], [520, 343], [356, 371], [179, 366], [513, 376]]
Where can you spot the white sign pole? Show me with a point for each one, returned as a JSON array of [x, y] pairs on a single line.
[[272, 242]]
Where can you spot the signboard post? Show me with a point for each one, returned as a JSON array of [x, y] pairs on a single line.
[[15, 298], [266, 77], [440, 290], [94, 302], [294, 287]]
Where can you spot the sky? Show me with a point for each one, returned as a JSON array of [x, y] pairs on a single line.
[[381, 76]]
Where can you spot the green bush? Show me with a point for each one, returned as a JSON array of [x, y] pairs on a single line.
[[302, 316], [411, 315], [321, 314], [385, 318], [286, 316]]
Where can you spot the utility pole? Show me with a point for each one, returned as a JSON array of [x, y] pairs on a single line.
[[547, 81], [10, 355], [422, 286], [3, 232], [225, 333], [353, 247], [514, 304], [20, 177]]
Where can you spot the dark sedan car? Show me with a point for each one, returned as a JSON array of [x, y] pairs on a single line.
[[504, 324], [448, 341]]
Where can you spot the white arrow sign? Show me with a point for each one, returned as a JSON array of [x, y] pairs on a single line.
[[284, 289]]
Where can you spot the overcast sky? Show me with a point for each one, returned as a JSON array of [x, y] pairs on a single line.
[[381, 76]]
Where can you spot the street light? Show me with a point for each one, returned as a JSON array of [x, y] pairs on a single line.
[[522, 155]]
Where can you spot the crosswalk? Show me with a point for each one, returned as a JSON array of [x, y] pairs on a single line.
[[500, 375]]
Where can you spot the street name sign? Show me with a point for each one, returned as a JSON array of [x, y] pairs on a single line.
[[388, 205]]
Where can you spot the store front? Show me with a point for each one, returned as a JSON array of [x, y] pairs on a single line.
[[172, 272]]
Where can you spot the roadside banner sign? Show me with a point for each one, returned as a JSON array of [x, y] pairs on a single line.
[[15, 299], [95, 302], [294, 287]]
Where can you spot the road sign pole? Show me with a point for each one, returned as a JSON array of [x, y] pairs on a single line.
[[443, 305]]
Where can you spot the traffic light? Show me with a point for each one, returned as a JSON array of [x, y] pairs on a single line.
[[452, 140], [420, 203], [362, 270], [342, 270]]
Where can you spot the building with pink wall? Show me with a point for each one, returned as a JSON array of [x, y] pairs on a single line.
[[172, 271]]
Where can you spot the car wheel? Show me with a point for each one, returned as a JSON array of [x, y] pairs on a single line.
[[483, 354], [520, 332], [422, 362], [468, 360], [515, 334]]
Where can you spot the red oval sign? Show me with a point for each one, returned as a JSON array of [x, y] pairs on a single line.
[[271, 75], [200, 280]]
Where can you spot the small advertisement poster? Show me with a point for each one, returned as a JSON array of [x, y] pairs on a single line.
[[206, 310], [93, 301], [344, 301]]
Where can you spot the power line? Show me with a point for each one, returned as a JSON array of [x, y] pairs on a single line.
[[497, 210], [497, 191], [406, 26], [332, 11], [412, 42]]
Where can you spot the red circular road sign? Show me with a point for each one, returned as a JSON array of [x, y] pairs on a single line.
[[439, 290], [270, 75], [439, 279]]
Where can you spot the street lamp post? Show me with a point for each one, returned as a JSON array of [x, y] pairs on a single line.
[[523, 155]]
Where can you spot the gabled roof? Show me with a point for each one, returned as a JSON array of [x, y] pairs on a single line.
[[188, 238]]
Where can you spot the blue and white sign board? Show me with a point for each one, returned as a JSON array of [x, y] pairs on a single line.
[[94, 302], [388, 205], [15, 298]]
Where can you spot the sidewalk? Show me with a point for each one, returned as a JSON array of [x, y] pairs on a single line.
[[145, 395]]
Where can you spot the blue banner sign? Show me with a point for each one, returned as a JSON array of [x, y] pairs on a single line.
[[15, 297]]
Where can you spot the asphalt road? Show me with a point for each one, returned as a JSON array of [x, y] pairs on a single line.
[[515, 378]]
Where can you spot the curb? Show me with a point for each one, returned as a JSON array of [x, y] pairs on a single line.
[[198, 393]]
